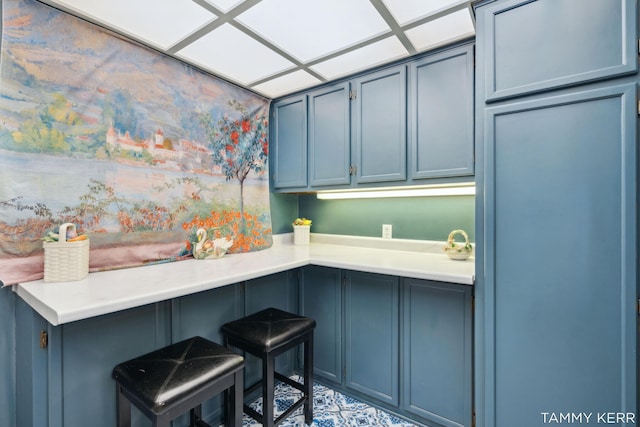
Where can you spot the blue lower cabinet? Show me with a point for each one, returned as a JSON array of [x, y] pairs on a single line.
[[321, 299], [402, 344], [65, 380], [437, 355], [276, 290], [202, 314], [372, 335], [89, 351], [7, 356], [68, 382], [279, 291]]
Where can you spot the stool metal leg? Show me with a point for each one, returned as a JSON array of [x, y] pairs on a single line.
[[123, 408], [268, 385], [195, 414], [308, 380], [236, 402]]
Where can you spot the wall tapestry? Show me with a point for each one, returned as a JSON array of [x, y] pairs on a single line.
[[137, 149]]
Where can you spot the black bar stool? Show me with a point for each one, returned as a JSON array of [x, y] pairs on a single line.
[[267, 334], [175, 379]]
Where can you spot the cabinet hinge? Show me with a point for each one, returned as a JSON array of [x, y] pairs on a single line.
[[638, 46], [638, 305], [353, 94], [353, 169], [639, 107], [44, 339], [473, 419]]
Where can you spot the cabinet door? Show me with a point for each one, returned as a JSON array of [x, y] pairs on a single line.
[[279, 291], [83, 354], [536, 45], [8, 356], [321, 296], [437, 353], [289, 142], [371, 335], [202, 314], [380, 126], [329, 136], [441, 114], [560, 236]]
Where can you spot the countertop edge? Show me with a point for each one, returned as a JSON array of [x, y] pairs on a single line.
[[65, 302]]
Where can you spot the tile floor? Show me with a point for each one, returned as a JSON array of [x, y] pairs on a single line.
[[330, 409]]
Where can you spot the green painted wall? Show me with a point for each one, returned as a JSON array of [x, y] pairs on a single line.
[[284, 209], [420, 218]]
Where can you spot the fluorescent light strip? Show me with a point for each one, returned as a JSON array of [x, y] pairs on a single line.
[[462, 189]]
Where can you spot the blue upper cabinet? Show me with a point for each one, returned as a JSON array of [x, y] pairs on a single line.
[[329, 136], [289, 142], [532, 46], [441, 114], [397, 125], [379, 126]]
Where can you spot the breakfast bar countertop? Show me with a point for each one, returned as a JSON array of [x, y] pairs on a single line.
[[110, 291]]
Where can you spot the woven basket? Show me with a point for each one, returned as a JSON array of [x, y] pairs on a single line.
[[66, 261], [455, 250]]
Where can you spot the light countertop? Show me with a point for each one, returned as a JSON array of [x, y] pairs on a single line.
[[111, 291]]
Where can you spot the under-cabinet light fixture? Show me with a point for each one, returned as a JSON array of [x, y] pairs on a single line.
[[458, 189]]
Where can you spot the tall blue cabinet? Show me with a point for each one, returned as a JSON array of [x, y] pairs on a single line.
[[556, 267]]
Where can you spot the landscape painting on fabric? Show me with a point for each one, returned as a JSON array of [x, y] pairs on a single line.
[[137, 149]]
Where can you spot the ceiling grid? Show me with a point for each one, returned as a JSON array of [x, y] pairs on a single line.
[[276, 47]]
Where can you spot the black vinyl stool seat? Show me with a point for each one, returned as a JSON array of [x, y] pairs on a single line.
[[175, 379], [267, 334]]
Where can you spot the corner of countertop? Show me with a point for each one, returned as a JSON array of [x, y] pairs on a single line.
[[407, 245]]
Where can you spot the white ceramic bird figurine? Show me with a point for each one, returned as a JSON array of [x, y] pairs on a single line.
[[203, 243], [210, 249]]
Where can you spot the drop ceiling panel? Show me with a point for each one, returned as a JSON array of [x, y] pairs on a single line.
[[168, 22], [286, 84], [235, 55], [308, 29], [381, 52], [449, 28], [405, 11]]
